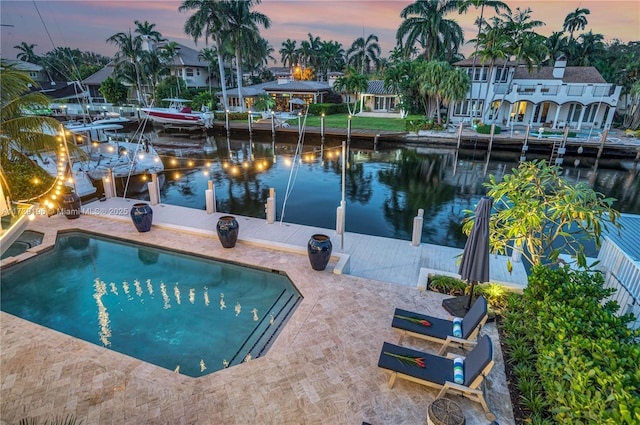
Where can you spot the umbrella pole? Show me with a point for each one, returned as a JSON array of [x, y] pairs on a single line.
[[473, 284]]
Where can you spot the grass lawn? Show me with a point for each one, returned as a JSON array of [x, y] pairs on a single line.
[[363, 123]]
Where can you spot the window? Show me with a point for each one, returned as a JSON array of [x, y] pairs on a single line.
[[501, 75], [189, 72], [478, 74], [468, 107]]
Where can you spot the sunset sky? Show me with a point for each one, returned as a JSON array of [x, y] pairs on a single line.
[[87, 24]]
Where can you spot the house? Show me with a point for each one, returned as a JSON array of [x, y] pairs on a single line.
[[186, 64], [284, 91], [36, 72], [378, 99], [195, 72], [554, 97], [288, 93], [95, 80]]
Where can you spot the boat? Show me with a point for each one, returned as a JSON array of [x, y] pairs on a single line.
[[130, 163], [179, 114], [76, 177]]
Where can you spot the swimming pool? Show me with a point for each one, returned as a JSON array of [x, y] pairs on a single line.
[[184, 313]]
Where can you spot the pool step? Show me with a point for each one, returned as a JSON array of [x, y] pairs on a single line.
[[264, 334]]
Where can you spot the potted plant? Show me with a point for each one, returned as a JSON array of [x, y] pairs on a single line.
[[70, 203]]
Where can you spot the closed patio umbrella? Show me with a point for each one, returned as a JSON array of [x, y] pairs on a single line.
[[474, 267]]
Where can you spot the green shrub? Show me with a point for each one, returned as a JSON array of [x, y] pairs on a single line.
[[486, 129], [586, 358], [414, 125], [446, 285], [233, 116], [328, 108]]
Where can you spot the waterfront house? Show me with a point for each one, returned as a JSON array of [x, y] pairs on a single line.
[[378, 99], [284, 90], [551, 96]]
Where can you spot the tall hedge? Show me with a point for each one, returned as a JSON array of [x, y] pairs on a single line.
[[328, 108], [588, 359]]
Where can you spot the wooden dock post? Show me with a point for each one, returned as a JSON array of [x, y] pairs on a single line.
[[227, 123]]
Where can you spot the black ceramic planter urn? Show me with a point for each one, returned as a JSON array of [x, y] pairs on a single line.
[[71, 205], [319, 250], [227, 229], [142, 216]]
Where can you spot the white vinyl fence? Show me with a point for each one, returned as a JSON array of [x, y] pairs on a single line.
[[623, 274]]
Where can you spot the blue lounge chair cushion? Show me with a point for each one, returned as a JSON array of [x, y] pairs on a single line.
[[477, 360], [473, 317], [437, 369], [440, 328]]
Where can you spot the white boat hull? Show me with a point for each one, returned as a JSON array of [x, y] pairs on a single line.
[[183, 119]]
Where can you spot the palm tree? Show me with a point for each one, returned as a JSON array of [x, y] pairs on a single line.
[[424, 23], [591, 48], [330, 57], [397, 79], [308, 51], [364, 52], [352, 83], [524, 44], [208, 21], [464, 6], [493, 46], [556, 44], [26, 52], [146, 29], [441, 84], [242, 26], [258, 55], [288, 52], [576, 20], [129, 50], [210, 56], [22, 133], [153, 66]]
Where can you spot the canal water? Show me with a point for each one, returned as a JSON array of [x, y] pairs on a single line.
[[383, 188]]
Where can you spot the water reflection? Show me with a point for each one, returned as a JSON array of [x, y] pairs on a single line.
[[384, 188]]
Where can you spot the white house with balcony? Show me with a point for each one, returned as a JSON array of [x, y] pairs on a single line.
[[555, 97], [186, 64]]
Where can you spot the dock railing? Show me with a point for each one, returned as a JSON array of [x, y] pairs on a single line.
[[623, 274]]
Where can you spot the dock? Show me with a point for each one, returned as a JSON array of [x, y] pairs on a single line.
[[371, 257]]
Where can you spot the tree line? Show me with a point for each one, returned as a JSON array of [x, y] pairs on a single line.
[[230, 30]]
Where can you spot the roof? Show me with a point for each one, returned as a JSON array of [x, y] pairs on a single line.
[[22, 65], [572, 74], [377, 87], [273, 86], [99, 76], [298, 86], [468, 62], [628, 238], [64, 90], [186, 56]]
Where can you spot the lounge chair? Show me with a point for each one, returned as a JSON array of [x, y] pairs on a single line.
[[438, 370], [441, 330]]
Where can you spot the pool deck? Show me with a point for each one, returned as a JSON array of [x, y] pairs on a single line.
[[322, 368]]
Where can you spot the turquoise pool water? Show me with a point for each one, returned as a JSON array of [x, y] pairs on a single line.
[[183, 313]]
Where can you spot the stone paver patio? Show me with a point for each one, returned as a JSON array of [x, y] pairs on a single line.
[[322, 369]]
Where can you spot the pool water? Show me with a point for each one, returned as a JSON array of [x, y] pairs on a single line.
[[184, 313]]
